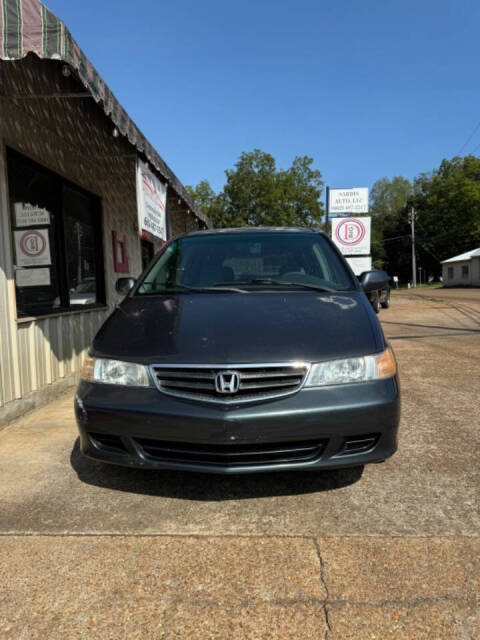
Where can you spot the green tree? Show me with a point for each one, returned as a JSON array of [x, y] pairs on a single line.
[[388, 208], [447, 202], [256, 193], [211, 203], [203, 194], [447, 206]]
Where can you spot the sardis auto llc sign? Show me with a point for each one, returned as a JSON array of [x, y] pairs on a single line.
[[352, 235], [348, 200]]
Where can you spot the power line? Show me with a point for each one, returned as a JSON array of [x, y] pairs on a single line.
[[469, 138], [429, 251], [439, 235], [390, 239]]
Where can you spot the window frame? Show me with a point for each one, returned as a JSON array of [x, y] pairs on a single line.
[[61, 183]]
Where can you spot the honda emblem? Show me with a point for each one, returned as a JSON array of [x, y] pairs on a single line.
[[227, 382]]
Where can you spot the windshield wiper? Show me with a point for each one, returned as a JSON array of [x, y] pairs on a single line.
[[303, 285], [168, 286]]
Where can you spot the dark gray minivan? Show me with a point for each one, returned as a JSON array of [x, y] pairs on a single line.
[[242, 350]]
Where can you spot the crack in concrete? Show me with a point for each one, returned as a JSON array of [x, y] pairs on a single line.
[[327, 605], [325, 586], [247, 602], [398, 602], [280, 536]]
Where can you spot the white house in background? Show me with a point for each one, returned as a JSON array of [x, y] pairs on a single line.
[[462, 270]]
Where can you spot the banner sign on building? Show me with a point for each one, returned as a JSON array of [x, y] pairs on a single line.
[[352, 235], [348, 200], [32, 248], [151, 203], [29, 215], [359, 264]]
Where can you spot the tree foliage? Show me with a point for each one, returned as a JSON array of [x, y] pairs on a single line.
[[203, 194], [447, 207], [446, 201], [256, 193], [388, 208]]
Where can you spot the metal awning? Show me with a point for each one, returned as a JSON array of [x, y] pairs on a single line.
[[27, 26]]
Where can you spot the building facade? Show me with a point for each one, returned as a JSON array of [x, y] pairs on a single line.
[[462, 270], [69, 225]]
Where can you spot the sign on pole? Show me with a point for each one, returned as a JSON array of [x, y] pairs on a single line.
[[352, 235], [353, 200], [151, 203], [359, 264]]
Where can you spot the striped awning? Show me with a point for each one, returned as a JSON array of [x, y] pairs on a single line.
[[27, 26]]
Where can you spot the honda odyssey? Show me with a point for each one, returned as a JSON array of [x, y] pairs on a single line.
[[242, 350]]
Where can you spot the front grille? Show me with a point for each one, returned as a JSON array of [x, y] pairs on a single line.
[[256, 382], [232, 455]]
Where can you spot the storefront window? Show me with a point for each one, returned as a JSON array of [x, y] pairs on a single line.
[[57, 244], [147, 252]]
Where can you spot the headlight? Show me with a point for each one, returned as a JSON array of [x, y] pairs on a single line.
[[352, 370], [115, 372]]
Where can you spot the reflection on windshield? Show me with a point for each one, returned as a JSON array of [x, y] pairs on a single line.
[[252, 260]]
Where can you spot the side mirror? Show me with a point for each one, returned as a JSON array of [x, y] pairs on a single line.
[[373, 280], [124, 285]]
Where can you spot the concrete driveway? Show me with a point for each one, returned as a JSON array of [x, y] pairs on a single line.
[[391, 551]]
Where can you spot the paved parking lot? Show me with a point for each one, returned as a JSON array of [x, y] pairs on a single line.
[[391, 551]]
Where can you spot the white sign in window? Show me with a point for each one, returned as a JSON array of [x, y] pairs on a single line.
[[151, 202], [32, 248], [352, 235], [29, 215], [353, 200], [33, 277]]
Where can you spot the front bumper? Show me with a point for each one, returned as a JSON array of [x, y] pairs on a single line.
[[322, 428]]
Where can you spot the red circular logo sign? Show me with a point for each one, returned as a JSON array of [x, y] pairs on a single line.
[[350, 232], [32, 243]]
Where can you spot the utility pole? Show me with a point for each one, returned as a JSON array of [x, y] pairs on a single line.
[[411, 219], [327, 208]]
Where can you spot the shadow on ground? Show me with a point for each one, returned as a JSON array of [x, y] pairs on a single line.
[[208, 487]]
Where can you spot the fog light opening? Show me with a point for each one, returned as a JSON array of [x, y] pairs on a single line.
[[107, 442], [359, 444]]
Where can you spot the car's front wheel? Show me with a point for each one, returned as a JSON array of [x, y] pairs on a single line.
[[375, 300], [386, 303]]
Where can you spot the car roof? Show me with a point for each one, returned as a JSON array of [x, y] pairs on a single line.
[[206, 232]]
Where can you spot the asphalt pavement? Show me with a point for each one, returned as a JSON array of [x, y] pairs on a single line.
[[389, 551]]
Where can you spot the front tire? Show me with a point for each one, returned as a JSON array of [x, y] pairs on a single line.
[[376, 302], [386, 303]]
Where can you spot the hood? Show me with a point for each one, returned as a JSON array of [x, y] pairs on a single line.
[[234, 328]]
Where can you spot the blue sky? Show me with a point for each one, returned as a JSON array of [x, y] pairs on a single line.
[[368, 89]]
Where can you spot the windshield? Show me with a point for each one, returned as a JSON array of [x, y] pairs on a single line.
[[253, 260]]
